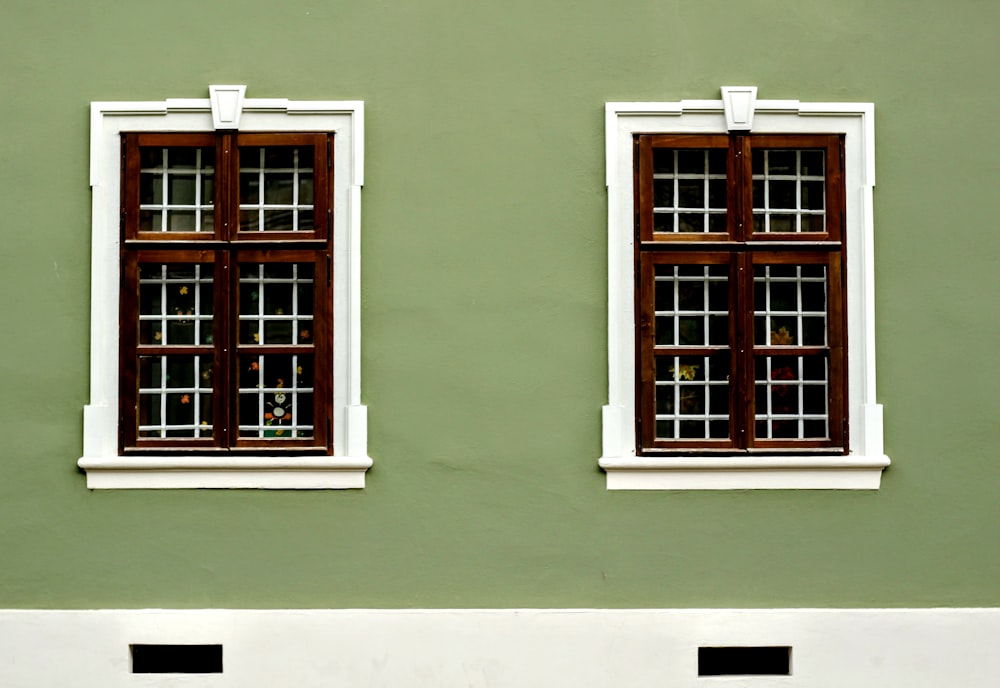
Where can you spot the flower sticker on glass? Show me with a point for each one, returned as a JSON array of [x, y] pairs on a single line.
[[782, 337], [686, 372], [277, 411]]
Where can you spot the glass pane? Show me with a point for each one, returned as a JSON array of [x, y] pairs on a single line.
[[688, 222], [176, 189], [690, 161], [717, 161], [780, 162], [249, 188], [717, 193], [811, 163], [813, 194], [276, 303], [175, 304], [781, 194], [181, 221], [692, 397], [175, 396], [692, 193], [276, 396], [717, 222], [181, 190], [663, 193], [790, 305], [276, 189]]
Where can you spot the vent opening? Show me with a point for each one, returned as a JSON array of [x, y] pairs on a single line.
[[176, 659], [745, 661]]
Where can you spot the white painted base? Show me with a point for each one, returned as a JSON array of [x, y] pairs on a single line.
[[583, 648]]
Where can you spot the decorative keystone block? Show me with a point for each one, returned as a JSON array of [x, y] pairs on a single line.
[[739, 102], [227, 105]]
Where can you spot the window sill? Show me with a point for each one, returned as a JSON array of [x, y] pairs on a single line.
[[248, 472], [756, 473]]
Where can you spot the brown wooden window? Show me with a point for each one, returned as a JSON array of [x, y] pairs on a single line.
[[226, 300], [740, 259]]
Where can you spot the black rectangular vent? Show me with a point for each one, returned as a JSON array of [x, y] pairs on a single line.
[[744, 661], [176, 659]]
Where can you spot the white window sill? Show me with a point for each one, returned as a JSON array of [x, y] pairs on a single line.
[[260, 472], [744, 473]]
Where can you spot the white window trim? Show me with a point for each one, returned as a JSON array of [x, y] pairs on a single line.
[[101, 460], [862, 467]]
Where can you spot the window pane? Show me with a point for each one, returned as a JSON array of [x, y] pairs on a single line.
[[276, 303], [789, 190], [175, 304], [692, 397], [276, 396], [689, 190], [691, 305], [276, 189], [792, 397], [176, 189], [790, 305], [175, 396]]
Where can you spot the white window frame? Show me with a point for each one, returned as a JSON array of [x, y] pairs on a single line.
[[226, 109], [861, 467]]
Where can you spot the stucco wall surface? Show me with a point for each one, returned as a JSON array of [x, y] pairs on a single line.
[[484, 309]]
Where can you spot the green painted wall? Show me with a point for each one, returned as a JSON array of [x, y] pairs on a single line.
[[484, 275]]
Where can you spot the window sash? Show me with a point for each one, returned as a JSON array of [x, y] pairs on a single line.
[[740, 250], [223, 251]]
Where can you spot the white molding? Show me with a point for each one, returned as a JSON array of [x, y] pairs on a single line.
[[745, 473], [346, 468], [504, 648], [299, 473], [866, 457]]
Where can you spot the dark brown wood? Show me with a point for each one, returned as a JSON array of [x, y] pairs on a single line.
[[225, 249], [133, 144], [322, 186], [742, 249], [646, 144], [128, 379], [830, 145]]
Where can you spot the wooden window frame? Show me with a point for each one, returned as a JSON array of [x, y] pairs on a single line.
[[224, 249], [740, 248]]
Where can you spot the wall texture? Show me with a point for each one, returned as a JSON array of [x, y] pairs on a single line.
[[484, 309]]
